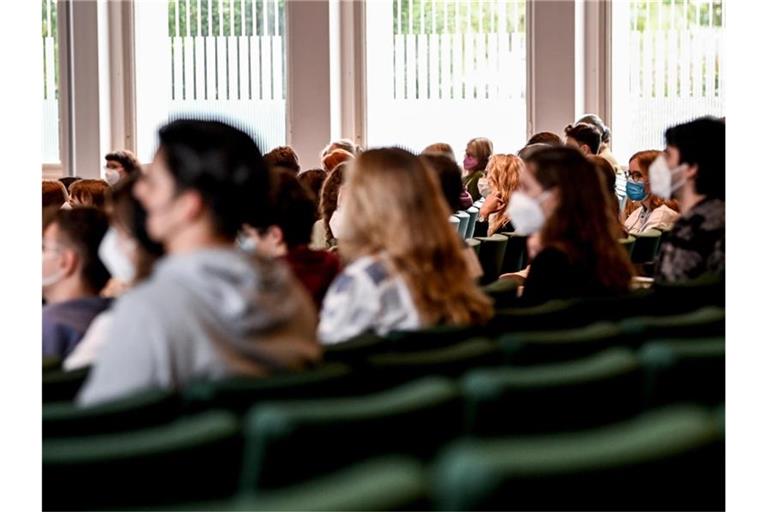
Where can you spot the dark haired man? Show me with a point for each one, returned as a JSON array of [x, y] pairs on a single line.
[[209, 310], [692, 170], [73, 276], [584, 137]]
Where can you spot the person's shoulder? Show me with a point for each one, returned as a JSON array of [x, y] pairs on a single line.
[[551, 254]]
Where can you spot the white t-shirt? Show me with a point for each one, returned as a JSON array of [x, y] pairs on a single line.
[[642, 219], [366, 296], [86, 351]]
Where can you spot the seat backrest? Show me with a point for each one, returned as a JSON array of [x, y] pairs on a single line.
[[703, 322], [388, 483], [141, 410], [463, 223], [51, 363], [670, 459], [62, 386], [646, 246], [628, 243], [473, 213], [288, 442], [516, 254], [194, 458], [568, 395], [684, 370], [545, 346], [238, 394], [492, 250], [455, 222]]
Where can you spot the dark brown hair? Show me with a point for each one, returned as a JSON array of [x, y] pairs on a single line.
[[83, 228], [549, 138], [584, 133], [128, 213], [54, 193], [125, 158], [69, 180], [448, 176], [583, 226], [329, 196], [608, 178], [312, 180], [292, 208], [283, 156], [89, 193]]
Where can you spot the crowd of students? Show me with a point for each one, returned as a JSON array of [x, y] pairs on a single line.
[[214, 260]]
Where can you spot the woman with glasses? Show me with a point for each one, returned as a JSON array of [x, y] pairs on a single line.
[[644, 210]]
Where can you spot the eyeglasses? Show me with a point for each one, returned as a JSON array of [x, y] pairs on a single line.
[[633, 175]]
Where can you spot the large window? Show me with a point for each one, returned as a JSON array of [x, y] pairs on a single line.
[[446, 71], [50, 84], [218, 59], [666, 69]]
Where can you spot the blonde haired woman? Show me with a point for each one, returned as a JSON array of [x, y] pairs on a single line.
[[503, 173], [406, 267]]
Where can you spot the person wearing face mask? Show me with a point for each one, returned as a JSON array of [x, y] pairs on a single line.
[[120, 164], [209, 310], [562, 201], [476, 156], [128, 253], [73, 275], [503, 176], [644, 210], [288, 236], [692, 170]]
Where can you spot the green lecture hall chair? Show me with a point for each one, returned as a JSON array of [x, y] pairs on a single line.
[[287, 442], [704, 322], [516, 254], [192, 459], [492, 250], [503, 292], [62, 386], [463, 222], [474, 244], [667, 459], [455, 222], [684, 370], [646, 246], [628, 244], [473, 213], [582, 393]]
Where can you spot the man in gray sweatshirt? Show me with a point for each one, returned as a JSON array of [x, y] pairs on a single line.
[[209, 310]]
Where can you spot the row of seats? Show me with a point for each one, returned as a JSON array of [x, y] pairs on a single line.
[[278, 444]]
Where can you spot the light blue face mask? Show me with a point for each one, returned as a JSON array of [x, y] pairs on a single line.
[[636, 190]]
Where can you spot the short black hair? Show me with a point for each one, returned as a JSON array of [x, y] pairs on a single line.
[[125, 158], [701, 142], [449, 175], [292, 209], [84, 228], [550, 138], [584, 133], [597, 122], [283, 156], [224, 165]]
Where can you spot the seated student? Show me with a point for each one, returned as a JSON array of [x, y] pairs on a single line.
[[548, 138], [562, 198], [129, 255], [692, 171], [345, 144], [441, 148], [54, 194], [120, 164], [449, 176], [605, 139], [288, 237], [88, 193], [73, 275], [644, 210], [329, 202], [406, 269], [208, 310], [584, 137], [283, 157], [334, 158], [476, 156], [503, 174], [312, 180]]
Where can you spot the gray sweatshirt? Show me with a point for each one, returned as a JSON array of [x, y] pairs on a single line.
[[204, 315]]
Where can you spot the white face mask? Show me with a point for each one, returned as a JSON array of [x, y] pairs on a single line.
[[115, 259], [66, 206], [484, 187], [247, 243], [112, 176], [336, 223], [663, 180], [525, 212], [52, 279]]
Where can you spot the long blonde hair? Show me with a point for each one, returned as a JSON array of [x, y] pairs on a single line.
[[503, 174], [393, 204]]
